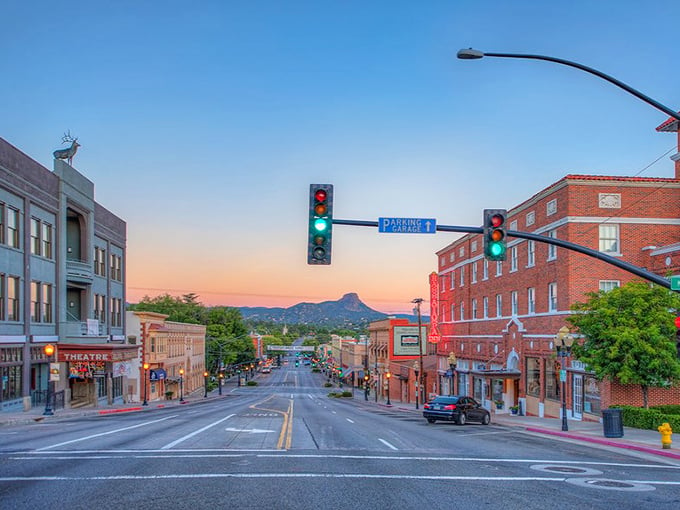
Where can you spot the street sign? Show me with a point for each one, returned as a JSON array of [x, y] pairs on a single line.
[[563, 375], [675, 282], [407, 225], [291, 348]]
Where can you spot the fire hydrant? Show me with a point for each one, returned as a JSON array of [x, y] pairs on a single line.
[[665, 430]]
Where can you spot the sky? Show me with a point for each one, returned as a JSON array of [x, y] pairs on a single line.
[[202, 125]]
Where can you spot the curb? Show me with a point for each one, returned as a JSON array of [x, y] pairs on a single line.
[[616, 444]]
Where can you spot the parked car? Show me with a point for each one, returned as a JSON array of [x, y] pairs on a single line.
[[266, 370], [460, 409]]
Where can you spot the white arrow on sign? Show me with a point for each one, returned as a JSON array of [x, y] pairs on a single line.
[[250, 431]]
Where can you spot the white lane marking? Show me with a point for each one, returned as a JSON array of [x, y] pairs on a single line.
[[250, 431], [105, 433], [387, 444], [182, 439], [351, 421]]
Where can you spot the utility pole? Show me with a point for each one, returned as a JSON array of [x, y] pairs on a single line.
[[419, 376]]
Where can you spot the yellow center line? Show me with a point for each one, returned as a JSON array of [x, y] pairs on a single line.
[[286, 434]]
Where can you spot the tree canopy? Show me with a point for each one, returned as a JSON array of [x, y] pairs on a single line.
[[629, 335]]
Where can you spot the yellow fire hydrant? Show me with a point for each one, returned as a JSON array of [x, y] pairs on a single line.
[[665, 430]]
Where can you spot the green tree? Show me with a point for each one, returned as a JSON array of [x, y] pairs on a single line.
[[629, 335], [186, 308]]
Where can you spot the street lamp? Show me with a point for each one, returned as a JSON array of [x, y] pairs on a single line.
[[563, 343], [49, 351], [416, 368], [388, 376], [181, 385], [219, 382], [452, 366], [145, 366], [205, 384], [418, 302], [471, 54]]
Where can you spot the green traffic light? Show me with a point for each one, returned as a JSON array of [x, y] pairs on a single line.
[[320, 224], [496, 249]]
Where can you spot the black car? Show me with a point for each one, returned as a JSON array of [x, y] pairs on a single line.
[[456, 408]]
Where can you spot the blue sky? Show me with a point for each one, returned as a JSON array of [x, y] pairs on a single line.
[[202, 125]]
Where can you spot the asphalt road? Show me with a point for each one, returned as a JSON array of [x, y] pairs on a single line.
[[286, 444]]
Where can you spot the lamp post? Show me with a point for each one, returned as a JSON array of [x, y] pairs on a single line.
[[181, 385], [366, 379], [419, 381], [471, 54], [145, 366], [205, 384], [416, 369], [452, 366], [563, 342], [219, 382], [388, 376], [49, 351]]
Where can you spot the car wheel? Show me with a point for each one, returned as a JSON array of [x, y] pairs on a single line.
[[486, 419], [431, 420], [461, 419]]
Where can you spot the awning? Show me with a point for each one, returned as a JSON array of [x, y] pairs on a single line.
[[499, 374], [157, 374]]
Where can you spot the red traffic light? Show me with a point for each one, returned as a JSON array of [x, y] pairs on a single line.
[[496, 220], [320, 195]]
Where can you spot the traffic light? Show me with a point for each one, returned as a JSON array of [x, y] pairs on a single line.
[[320, 224], [494, 233]]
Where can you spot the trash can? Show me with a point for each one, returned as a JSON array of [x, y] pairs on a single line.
[[612, 421]]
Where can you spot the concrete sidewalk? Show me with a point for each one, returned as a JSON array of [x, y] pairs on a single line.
[[647, 441]]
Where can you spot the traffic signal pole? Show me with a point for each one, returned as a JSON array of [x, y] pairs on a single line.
[[621, 264]]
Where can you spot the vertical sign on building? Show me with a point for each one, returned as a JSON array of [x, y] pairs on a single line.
[[434, 336]]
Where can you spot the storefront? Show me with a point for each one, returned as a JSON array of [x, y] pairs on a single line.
[[96, 374]]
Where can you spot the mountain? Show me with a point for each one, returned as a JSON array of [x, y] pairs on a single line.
[[347, 312]]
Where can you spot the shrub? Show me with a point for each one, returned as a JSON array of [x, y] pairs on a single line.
[[316, 370], [346, 394], [251, 383], [650, 419], [332, 394], [328, 385]]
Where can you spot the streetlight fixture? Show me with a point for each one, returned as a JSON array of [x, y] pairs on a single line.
[[145, 366], [416, 369], [49, 351], [205, 384], [181, 385], [472, 54], [219, 382], [452, 366], [563, 343], [418, 302], [388, 376]]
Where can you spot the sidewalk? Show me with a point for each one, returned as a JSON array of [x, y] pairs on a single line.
[[646, 441]]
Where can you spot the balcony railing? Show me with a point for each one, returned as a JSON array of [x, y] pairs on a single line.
[[79, 271]]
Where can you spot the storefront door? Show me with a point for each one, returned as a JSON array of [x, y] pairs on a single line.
[[577, 392]]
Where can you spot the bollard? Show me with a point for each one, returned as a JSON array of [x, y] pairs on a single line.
[[665, 430]]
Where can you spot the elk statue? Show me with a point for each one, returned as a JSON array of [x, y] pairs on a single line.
[[69, 152]]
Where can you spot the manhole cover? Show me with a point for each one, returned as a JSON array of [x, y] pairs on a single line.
[[610, 485], [571, 470]]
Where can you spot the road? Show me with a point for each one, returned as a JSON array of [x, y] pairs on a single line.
[[285, 444]]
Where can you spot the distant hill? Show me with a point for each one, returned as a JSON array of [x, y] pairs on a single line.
[[349, 312]]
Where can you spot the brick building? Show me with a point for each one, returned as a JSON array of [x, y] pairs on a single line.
[[501, 319]]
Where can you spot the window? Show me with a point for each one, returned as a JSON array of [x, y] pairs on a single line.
[[552, 249], [513, 259], [46, 302], [531, 218], [453, 313], [462, 276], [2, 293], [485, 304], [609, 238], [452, 256], [474, 308], [99, 307], [551, 207], [35, 302], [552, 297], [116, 306], [473, 278], [552, 379], [485, 269], [513, 225], [115, 269], [531, 253], [533, 377], [591, 395], [499, 268], [461, 251], [499, 305], [453, 279], [12, 298], [607, 285], [462, 311], [513, 302], [473, 246], [47, 240], [2, 223], [35, 236], [99, 261], [12, 227], [531, 300]]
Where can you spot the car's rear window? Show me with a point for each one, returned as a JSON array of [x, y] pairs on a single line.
[[445, 400]]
